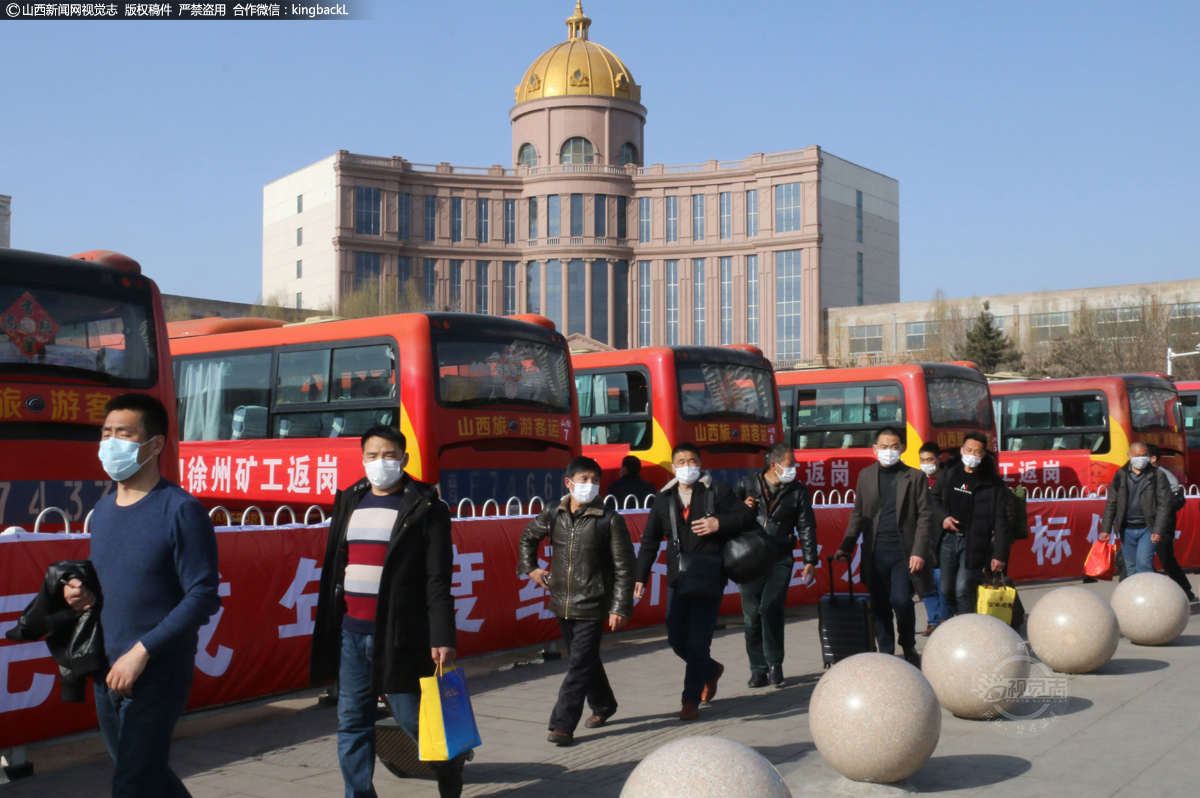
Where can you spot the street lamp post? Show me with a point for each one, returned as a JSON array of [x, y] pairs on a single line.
[[1172, 356]]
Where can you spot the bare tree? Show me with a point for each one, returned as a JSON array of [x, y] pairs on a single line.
[[383, 298]]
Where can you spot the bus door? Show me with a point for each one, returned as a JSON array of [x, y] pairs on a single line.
[[616, 417]]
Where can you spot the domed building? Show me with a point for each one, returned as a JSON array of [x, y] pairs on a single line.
[[578, 228]]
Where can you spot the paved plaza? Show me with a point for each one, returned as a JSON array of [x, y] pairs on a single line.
[[1130, 729]]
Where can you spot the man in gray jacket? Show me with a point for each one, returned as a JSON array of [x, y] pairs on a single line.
[[1138, 508], [590, 580]]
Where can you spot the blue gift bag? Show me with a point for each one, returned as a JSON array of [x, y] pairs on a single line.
[[447, 724]]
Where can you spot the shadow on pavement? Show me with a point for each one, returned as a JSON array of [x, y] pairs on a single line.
[[1186, 640], [1130, 665], [969, 771]]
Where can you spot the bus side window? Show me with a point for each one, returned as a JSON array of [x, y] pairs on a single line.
[[614, 407], [212, 391]]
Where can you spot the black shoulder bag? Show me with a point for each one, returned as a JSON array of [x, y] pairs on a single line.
[[700, 575], [751, 553]]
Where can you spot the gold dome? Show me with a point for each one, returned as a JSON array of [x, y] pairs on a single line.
[[578, 66]]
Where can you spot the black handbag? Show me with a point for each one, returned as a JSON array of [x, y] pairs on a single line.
[[699, 575], [750, 554]]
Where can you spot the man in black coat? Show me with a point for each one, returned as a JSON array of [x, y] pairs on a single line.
[[385, 616], [784, 510], [630, 483], [1138, 508], [696, 515], [891, 512], [971, 534]]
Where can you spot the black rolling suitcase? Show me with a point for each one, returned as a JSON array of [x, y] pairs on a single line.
[[847, 626]]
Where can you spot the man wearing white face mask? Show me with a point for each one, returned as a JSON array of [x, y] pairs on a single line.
[[785, 512], [385, 616], [1138, 508], [590, 580]]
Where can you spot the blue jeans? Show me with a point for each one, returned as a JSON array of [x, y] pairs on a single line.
[[763, 602], [960, 585], [1138, 550], [137, 731], [356, 716], [935, 603], [690, 627]]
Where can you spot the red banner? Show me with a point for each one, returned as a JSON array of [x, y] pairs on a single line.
[[258, 644]]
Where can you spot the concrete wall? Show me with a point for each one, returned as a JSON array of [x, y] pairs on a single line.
[[5, 220], [316, 183], [880, 247]]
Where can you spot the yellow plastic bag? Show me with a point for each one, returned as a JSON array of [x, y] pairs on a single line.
[[446, 722], [997, 601]]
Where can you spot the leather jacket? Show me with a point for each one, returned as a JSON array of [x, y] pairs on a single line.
[[591, 567], [75, 639], [789, 515]]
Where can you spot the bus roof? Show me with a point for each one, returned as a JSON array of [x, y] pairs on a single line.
[[1108, 382], [868, 373], [674, 354], [1188, 385], [215, 325]]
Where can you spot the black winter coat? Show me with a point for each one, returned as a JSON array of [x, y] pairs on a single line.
[[414, 612], [75, 639], [1156, 503], [990, 497], [789, 515]]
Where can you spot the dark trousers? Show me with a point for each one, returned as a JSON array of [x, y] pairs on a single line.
[[763, 602], [585, 677], [137, 731], [892, 595], [1165, 549], [960, 584], [690, 626]]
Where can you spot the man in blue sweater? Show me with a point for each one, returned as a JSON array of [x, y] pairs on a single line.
[[155, 555]]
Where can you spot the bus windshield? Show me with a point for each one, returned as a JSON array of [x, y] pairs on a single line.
[[725, 390], [97, 337], [502, 370], [955, 402], [1152, 409]]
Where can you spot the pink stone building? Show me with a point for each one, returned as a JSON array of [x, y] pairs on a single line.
[[581, 230]]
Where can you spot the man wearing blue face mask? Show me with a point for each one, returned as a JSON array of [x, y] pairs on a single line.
[[385, 616], [590, 580], [155, 556]]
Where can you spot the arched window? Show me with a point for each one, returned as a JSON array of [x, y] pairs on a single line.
[[577, 150], [628, 154], [527, 155]]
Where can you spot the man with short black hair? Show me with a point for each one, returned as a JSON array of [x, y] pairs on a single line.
[[155, 555], [385, 616], [1165, 548], [590, 580], [1138, 508], [630, 483], [930, 459]]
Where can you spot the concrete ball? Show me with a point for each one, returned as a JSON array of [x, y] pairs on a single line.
[[705, 767], [1073, 630], [977, 666], [1151, 609]]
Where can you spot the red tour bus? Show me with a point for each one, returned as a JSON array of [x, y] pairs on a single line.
[[1073, 434], [1189, 405], [645, 401], [273, 415], [74, 332], [830, 416]]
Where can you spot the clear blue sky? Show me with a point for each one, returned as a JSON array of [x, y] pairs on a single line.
[[1038, 145]]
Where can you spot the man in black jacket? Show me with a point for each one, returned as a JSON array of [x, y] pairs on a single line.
[[385, 616], [785, 511], [630, 483], [970, 505], [696, 515], [1138, 508], [590, 580], [1165, 548], [891, 512]]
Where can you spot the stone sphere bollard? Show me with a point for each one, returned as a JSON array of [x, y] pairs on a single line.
[[977, 666], [1073, 630], [705, 767], [875, 718], [1151, 609]]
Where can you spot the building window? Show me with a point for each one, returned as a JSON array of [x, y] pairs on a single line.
[[620, 303], [299, 236], [919, 335], [698, 304], [599, 307], [510, 221], [527, 155], [576, 297], [752, 213], [403, 269], [1185, 318], [456, 285], [533, 287], [752, 299], [787, 305], [510, 287], [430, 282], [481, 286], [366, 269], [456, 218], [1119, 324], [299, 203], [482, 221], [299, 269], [628, 154], [552, 216], [866, 339], [366, 211], [1049, 326], [533, 233], [672, 303], [697, 217], [726, 301], [643, 303], [554, 288], [858, 214], [860, 278], [600, 217], [576, 150], [430, 217], [643, 220], [403, 216], [726, 214], [672, 219], [787, 208], [299, 300], [622, 217], [576, 215]]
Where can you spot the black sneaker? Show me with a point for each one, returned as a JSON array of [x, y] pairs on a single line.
[[776, 675], [758, 680]]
